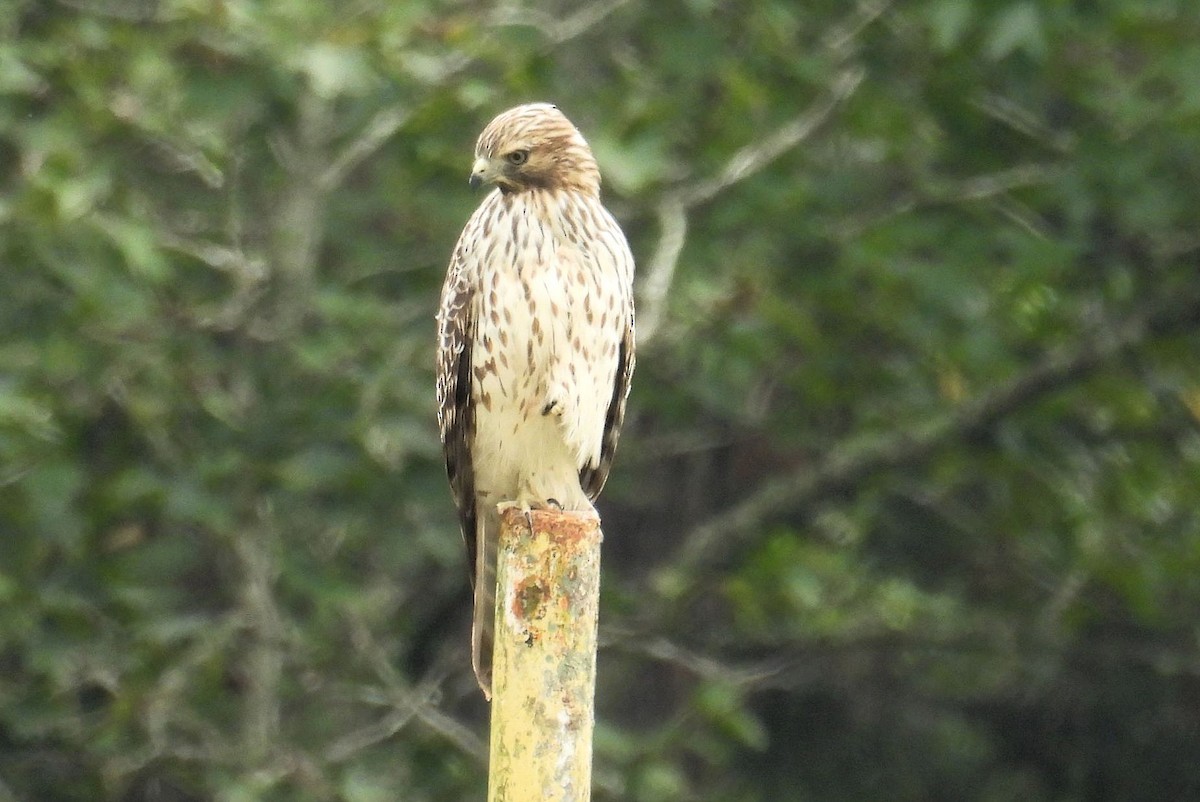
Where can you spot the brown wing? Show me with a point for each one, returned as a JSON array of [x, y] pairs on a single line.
[[593, 476], [456, 413]]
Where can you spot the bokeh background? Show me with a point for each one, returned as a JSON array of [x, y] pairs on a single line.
[[908, 501]]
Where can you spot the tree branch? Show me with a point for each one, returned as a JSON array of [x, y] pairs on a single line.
[[350, 744], [557, 30], [747, 161], [389, 121], [754, 157], [672, 226], [383, 126], [973, 189], [839, 39], [660, 649], [722, 538], [263, 665]]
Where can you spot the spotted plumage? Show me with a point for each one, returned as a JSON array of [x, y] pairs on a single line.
[[535, 339]]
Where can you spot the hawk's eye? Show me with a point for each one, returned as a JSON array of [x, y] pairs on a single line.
[[518, 157]]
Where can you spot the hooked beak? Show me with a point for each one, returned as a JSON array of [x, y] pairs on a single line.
[[481, 173]]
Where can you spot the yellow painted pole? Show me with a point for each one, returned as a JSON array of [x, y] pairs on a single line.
[[544, 658]]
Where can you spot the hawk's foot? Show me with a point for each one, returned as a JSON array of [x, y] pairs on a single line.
[[527, 504]]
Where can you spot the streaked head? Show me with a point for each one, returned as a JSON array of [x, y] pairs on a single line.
[[534, 147]]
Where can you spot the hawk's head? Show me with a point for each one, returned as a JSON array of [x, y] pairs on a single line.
[[534, 147]]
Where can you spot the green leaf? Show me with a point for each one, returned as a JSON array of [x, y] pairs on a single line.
[[1018, 27], [950, 21]]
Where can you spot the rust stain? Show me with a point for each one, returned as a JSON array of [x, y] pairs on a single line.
[[565, 528], [529, 599]]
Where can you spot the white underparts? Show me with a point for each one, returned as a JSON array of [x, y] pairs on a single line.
[[547, 339]]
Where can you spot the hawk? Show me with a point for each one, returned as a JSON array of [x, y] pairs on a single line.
[[535, 340]]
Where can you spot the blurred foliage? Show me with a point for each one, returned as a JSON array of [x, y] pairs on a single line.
[[907, 506]]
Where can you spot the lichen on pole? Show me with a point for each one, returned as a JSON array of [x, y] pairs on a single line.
[[544, 658]]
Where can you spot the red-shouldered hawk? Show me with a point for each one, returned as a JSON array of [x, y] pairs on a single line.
[[535, 340]]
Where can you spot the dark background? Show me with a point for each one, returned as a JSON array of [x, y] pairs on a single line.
[[907, 503]]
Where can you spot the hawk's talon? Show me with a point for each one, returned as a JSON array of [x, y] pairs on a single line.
[[526, 508], [555, 504]]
